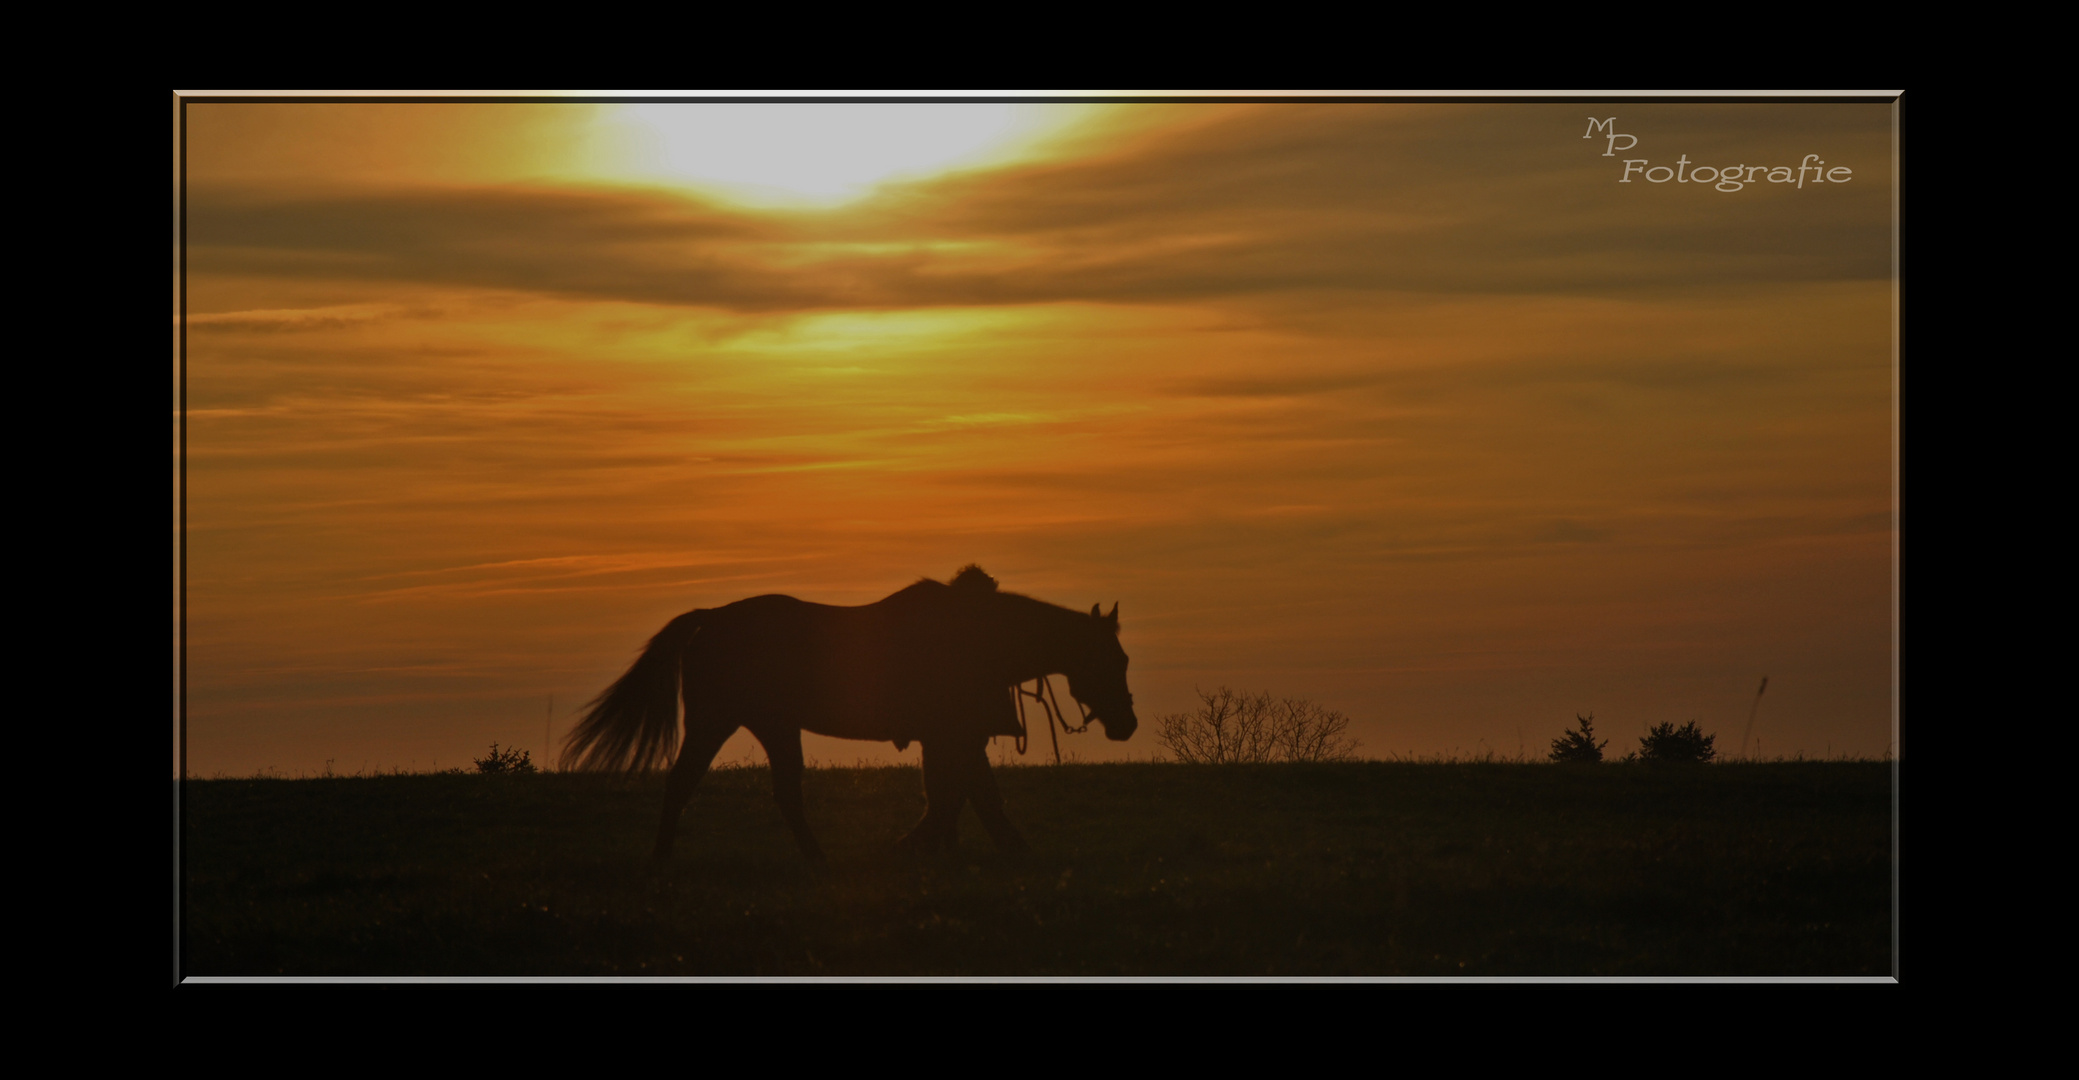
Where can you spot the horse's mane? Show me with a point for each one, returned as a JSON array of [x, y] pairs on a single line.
[[974, 577], [971, 580], [975, 582]]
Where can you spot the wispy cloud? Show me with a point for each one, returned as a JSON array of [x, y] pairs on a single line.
[[1427, 198], [289, 320]]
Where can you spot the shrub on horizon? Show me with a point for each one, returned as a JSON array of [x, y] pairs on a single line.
[[510, 760], [1579, 747], [1243, 727], [1667, 744]]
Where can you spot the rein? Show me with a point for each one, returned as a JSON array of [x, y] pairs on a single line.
[[1043, 692]]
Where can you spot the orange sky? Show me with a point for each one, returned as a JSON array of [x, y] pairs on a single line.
[[1411, 409]]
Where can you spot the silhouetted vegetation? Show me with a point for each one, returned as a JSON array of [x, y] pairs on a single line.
[[1579, 746], [1241, 728], [509, 760], [1366, 868], [1666, 744]]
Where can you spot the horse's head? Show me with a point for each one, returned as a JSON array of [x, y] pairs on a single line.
[[1098, 677]]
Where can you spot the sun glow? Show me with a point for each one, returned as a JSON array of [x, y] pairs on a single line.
[[805, 155], [1397, 407]]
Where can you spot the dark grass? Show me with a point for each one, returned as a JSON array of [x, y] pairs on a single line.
[[1373, 868]]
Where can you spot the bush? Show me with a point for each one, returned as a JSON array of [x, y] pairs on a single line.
[[1240, 727], [511, 760], [1579, 746], [1666, 744]]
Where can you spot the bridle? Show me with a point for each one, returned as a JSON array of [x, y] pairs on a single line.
[[1043, 692]]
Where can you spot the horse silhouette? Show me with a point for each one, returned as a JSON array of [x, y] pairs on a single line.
[[935, 664]]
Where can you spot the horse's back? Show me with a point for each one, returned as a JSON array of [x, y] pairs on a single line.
[[899, 668], [914, 616]]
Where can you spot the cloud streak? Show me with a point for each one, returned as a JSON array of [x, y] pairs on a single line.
[[1451, 199]]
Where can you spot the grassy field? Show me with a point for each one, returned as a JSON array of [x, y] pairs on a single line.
[[1374, 868]]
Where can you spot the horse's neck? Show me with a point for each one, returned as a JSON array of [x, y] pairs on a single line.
[[1042, 642]]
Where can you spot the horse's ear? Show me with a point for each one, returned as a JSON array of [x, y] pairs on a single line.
[[1113, 618], [1097, 611]]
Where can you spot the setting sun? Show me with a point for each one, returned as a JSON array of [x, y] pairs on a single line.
[[811, 155]]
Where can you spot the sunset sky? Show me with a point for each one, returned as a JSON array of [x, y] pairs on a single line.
[[1412, 409]]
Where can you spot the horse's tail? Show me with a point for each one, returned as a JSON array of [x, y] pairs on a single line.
[[634, 724]]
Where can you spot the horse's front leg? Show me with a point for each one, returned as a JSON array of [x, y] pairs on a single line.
[[981, 790], [945, 791]]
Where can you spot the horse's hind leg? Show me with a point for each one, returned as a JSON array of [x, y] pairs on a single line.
[[783, 750], [945, 790], [988, 802], [703, 740]]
